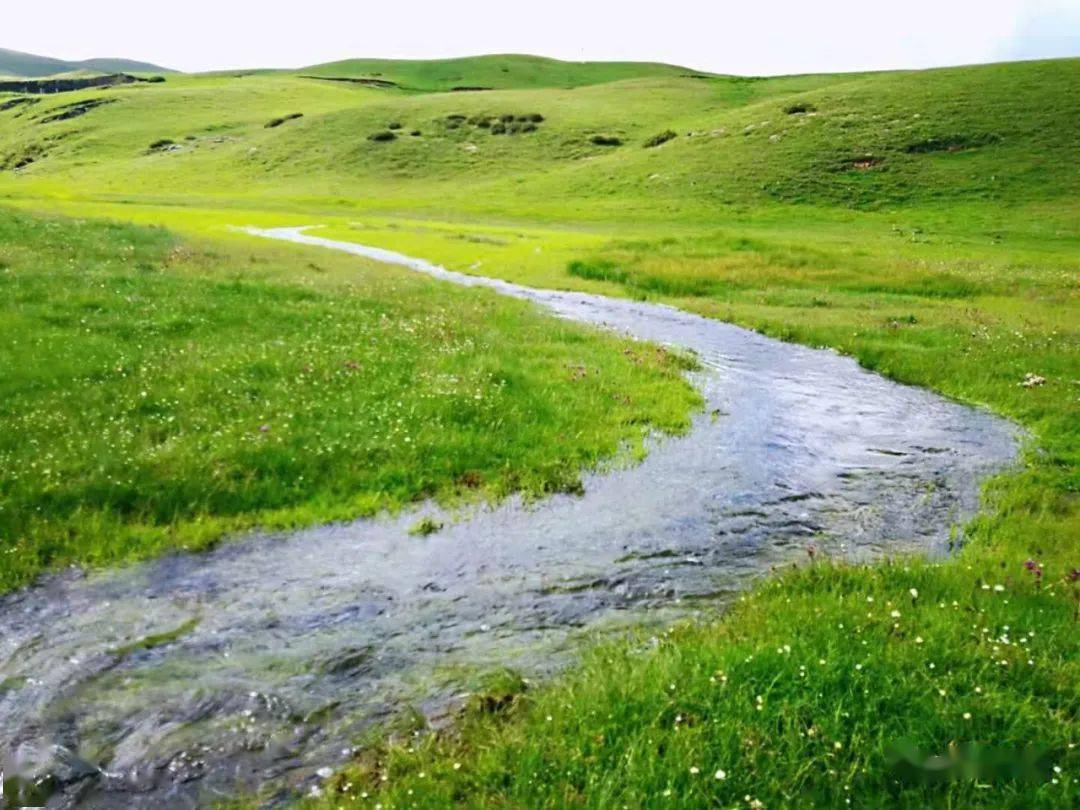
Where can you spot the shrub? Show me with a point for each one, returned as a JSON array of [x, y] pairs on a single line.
[[498, 128], [799, 107], [161, 143], [536, 118], [529, 127], [394, 125], [661, 138], [381, 137], [415, 133], [605, 140]]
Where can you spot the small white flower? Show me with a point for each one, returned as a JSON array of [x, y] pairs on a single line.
[[967, 715], [914, 593], [999, 588], [918, 639], [895, 614], [695, 770], [721, 775]]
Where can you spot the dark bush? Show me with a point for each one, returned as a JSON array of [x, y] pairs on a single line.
[[498, 128], [394, 125], [161, 143], [484, 123], [605, 140], [799, 107], [529, 127], [657, 140], [506, 119], [381, 137], [277, 122], [536, 118], [415, 133], [155, 79], [457, 117]]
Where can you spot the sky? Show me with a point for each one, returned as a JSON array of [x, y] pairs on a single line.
[[749, 37]]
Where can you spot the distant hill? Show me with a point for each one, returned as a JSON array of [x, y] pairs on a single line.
[[494, 72], [16, 63]]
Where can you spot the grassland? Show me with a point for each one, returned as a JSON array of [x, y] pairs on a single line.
[[159, 393], [925, 223]]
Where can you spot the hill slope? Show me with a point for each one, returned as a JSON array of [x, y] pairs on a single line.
[[493, 72], [16, 63], [987, 134]]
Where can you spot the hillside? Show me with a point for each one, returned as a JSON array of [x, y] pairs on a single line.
[[16, 63], [493, 72], [983, 134]]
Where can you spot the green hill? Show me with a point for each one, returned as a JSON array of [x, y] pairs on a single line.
[[16, 63], [996, 133], [494, 72]]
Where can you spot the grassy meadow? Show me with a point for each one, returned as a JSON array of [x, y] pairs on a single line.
[[158, 393], [922, 222]]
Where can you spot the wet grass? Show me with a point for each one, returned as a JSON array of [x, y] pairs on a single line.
[[156, 393]]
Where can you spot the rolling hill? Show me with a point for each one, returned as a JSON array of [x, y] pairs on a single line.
[[28, 65], [492, 72], [986, 134]]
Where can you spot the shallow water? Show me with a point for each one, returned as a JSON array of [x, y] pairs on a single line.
[[287, 646]]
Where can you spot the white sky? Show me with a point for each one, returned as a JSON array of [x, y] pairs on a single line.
[[745, 36]]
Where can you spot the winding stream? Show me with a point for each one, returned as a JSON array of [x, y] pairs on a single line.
[[263, 659]]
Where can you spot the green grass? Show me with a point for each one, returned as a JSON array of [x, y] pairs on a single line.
[[922, 222], [158, 393], [499, 71]]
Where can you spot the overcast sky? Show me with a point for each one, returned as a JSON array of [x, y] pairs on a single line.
[[745, 37]]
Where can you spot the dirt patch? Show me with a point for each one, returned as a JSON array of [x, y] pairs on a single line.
[[48, 86], [22, 157], [864, 163], [74, 110], [12, 103], [605, 140], [277, 122], [355, 80]]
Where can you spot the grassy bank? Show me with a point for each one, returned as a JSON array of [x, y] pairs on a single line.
[[158, 393]]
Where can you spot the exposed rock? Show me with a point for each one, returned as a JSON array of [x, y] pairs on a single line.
[[47, 86]]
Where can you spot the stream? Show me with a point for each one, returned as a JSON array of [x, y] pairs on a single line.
[[183, 680]]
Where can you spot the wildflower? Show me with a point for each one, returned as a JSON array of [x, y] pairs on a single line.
[[895, 614], [695, 770], [457, 766], [967, 715], [721, 775], [918, 639], [914, 593], [999, 588]]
